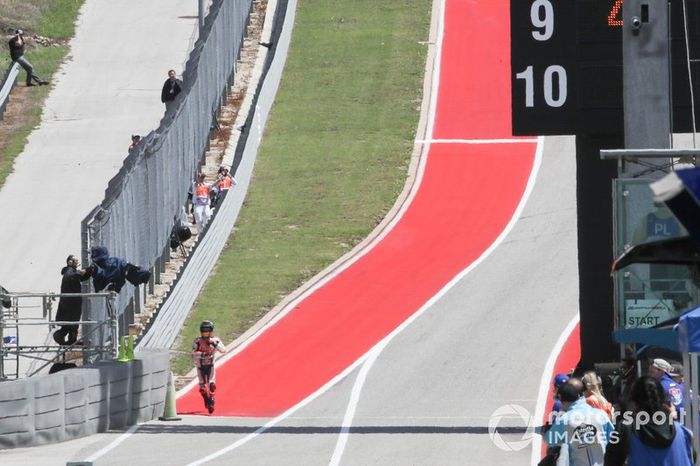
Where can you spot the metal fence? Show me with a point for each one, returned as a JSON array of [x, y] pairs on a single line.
[[252, 115], [135, 218]]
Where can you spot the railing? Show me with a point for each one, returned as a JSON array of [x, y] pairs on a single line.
[[7, 84], [99, 339]]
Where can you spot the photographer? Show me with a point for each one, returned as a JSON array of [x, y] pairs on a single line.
[[171, 88], [70, 308], [17, 44]]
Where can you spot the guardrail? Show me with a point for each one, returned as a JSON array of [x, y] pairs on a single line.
[[7, 84]]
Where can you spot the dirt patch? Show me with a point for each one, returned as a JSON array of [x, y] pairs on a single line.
[[21, 15], [16, 117]]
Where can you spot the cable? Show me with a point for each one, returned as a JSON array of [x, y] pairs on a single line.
[[690, 74]]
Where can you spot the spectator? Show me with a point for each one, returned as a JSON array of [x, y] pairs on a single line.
[[677, 374], [553, 452], [650, 437], [582, 431], [135, 139], [594, 396], [224, 182], [660, 370], [201, 200], [171, 88], [559, 380], [17, 44], [70, 308], [623, 384]]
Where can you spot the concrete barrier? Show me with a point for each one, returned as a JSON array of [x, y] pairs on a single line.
[[82, 401]]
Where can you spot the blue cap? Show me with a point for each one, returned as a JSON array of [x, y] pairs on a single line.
[[560, 379]]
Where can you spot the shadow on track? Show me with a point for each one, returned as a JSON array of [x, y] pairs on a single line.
[[309, 430]]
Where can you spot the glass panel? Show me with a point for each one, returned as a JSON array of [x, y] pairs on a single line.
[[647, 294]]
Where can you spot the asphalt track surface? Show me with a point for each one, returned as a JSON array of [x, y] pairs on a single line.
[[107, 90], [405, 354]]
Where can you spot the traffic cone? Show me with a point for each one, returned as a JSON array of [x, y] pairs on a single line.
[[122, 357], [169, 410]]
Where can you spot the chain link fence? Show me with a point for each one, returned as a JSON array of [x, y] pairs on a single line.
[[137, 214]]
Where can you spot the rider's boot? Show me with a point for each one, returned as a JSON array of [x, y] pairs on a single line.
[[210, 404]]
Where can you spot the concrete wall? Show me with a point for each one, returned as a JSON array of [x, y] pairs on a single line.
[[83, 401]]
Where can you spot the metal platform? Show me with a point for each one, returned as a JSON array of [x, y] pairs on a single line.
[[18, 315]]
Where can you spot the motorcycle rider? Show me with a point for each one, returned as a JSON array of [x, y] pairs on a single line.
[[203, 353]]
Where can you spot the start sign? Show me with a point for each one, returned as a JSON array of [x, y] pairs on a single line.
[[645, 313]]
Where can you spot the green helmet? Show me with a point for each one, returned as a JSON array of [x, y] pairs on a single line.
[[206, 326]]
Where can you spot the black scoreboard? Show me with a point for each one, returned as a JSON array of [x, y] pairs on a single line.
[[566, 66]]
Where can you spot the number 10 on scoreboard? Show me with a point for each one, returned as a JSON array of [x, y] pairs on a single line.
[[552, 79], [566, 66]]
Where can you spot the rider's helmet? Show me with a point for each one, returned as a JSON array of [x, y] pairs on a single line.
[[206, 326]]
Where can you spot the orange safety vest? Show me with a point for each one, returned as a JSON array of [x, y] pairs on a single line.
[[202, 190], [225, 183]]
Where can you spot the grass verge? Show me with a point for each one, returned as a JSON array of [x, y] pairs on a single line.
[[54, 19], [334, 157]]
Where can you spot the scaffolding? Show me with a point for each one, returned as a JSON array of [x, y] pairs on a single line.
[[23, 310]]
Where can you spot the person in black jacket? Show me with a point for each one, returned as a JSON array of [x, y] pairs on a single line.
[[70, 308], [17, 54], [171, 88], [623, 385], [649, 435], [6, 301]]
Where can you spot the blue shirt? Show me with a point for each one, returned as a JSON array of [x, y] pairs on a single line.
[[584, 431], [557, 405], [674, 392], [679, 453]]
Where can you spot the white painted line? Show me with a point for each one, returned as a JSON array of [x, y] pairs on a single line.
[[386, 340], [112, 445], [367, 248], [437, 65], [477, 141], [352, 405], [390, 226], [376, 351], [284, 415], [432, 105], [544, 387]]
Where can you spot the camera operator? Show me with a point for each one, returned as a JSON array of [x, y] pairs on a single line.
[[17, 44]]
